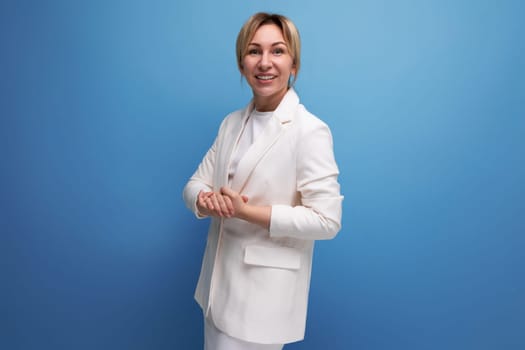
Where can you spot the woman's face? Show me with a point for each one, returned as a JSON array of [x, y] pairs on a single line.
[[267, 67]]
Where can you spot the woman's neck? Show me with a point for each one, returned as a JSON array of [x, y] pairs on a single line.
[[269, 103]]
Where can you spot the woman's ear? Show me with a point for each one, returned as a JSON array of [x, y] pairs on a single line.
[[294, 67]]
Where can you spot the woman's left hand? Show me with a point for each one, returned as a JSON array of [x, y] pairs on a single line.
[[257, 214], [238, 201]]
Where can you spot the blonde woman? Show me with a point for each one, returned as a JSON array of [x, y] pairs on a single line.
[[269, 184]]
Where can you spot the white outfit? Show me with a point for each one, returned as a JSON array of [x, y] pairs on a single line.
[[253, 127], [254, 280], [214, 339]]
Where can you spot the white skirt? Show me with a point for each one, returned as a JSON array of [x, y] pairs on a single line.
[[214, 339]]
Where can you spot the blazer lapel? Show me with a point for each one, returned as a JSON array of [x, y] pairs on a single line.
[[280, 119], [229, 139]]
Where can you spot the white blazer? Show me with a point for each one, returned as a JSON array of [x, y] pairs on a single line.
[[255, 281]]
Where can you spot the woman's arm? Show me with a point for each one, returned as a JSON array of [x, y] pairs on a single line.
[[200, 182], [260, 215], [318, 216]]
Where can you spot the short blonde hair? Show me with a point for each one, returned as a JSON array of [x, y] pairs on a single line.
[[290, 34]]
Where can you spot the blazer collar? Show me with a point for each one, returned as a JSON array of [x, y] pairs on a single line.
[[285, 111], [284, 114]]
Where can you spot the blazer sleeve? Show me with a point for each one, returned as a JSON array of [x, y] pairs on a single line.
[[201, 180], [319, 214]]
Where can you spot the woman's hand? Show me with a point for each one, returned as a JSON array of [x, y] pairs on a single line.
[[228, 203], [260, 215], [215, 204], [237, 200]]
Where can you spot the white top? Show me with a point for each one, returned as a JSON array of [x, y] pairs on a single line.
[[253, 128]]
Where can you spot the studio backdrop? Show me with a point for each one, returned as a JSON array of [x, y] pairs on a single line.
[[107, 107]]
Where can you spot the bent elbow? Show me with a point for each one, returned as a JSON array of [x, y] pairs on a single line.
[[331, 229], [334, 230]]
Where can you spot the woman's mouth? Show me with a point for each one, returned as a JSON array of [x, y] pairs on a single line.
[[265, 77]]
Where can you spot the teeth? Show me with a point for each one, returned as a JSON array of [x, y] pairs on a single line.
[[265, 77]]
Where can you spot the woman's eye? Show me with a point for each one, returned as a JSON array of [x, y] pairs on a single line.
[[278, 51], [253, 52]]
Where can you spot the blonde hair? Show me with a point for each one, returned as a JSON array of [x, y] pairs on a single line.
[[290, 34]]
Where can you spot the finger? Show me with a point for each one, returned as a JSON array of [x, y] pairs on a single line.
[[206, 195], [226, 206], [244, 198], [201, 199], [223, 205], [228, 191], [234, 196], [203, 195], [216, 205], [209, 203], [229, 205]]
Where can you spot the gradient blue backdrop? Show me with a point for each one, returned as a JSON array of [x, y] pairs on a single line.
[[108, 106]]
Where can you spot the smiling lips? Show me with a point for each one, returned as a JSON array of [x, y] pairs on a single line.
[[265, 77]]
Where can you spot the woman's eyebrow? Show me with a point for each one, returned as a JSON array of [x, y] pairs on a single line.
[[274, 44]]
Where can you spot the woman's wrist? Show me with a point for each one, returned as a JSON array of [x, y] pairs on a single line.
[[259, 215]]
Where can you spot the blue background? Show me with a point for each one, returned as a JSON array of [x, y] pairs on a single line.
[[108, 106]]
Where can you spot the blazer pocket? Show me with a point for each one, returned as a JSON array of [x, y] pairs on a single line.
[[279, 257]]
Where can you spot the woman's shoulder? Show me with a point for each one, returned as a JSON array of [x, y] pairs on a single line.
[[237, 114], [307, 120], [233, 118]]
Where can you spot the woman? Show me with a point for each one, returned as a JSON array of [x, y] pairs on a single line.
[[269, 184]]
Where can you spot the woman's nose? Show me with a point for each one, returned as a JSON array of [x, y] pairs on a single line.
[[265, 62]]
